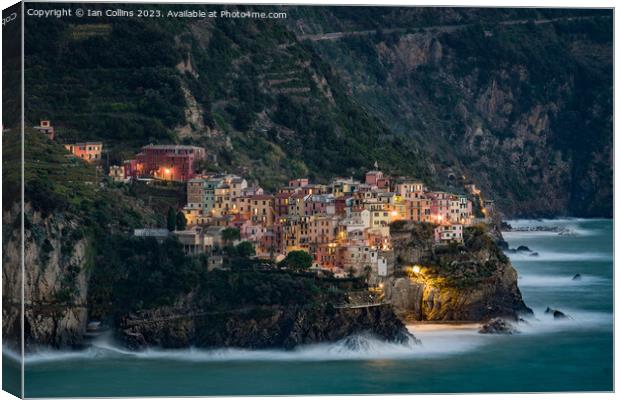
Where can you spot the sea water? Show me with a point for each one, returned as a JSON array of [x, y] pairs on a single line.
[[574, 354]]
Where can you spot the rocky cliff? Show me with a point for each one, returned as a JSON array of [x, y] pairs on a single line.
[[517, 100], [260, 327], [55, 288], [472, 282]]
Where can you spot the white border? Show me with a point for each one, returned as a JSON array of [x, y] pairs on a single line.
[[478, 3]]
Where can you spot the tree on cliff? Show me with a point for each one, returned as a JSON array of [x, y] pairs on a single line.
[[297, 260], [181, 221], [172, 219]]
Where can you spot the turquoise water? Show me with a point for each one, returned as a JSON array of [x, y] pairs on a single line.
[[571, 355]]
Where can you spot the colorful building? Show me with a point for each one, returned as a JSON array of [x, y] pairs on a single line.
[[445, 234], [166, 162], [117, 173], [87, 151]]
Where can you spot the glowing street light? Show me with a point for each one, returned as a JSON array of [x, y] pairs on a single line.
[[416, 269]]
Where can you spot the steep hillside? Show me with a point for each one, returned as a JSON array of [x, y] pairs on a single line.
[[524, 109], [247, 90]]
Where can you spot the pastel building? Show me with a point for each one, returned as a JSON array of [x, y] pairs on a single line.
[[262, 209], [409, 189], [319, 204], [87, 151], [418, 209], [117, 173], [440, 207], [195, 241], [376, 178], [444, 234]]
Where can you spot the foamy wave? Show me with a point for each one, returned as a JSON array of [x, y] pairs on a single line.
[[544, 255], [554, 281], [577, 320], [551, 221], [437, 341], [358, 347]]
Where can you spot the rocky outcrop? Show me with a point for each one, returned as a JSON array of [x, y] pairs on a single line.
[[260, 327], [473, 282], [420, 299], [498, 326], [55, 286], [557, 314]]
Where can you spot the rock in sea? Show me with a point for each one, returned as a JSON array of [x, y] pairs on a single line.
[[557, 314], [577, 277], [524, 248], [498, 326]]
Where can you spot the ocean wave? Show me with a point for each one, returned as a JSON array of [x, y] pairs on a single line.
[[535, 280], [357, 347], [571, 226], [438, 342], [435, 341], [552, 221], [577, 320], [544, 255]]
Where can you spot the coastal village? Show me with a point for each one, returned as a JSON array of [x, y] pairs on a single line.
[[344, 225]]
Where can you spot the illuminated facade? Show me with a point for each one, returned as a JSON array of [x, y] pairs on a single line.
[[166, 162]]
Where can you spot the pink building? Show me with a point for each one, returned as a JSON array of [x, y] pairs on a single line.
[[326, 255], [166, 162], [448, 234], [281, 205], [319, 204], [376, 178], [298, 183], [440, 207]]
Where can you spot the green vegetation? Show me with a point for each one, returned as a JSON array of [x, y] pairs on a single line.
[[246, 250], [181, 221], [171, 219], [460, 266], [470, 96], [119, 84], [134, 273], [297, 260]]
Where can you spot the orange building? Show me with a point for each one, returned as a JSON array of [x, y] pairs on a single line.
[[87, 151]]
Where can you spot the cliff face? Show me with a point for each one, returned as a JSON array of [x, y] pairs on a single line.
[[472, 283], [421, 300], [55, 287], [260, 327], [522, 109]]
